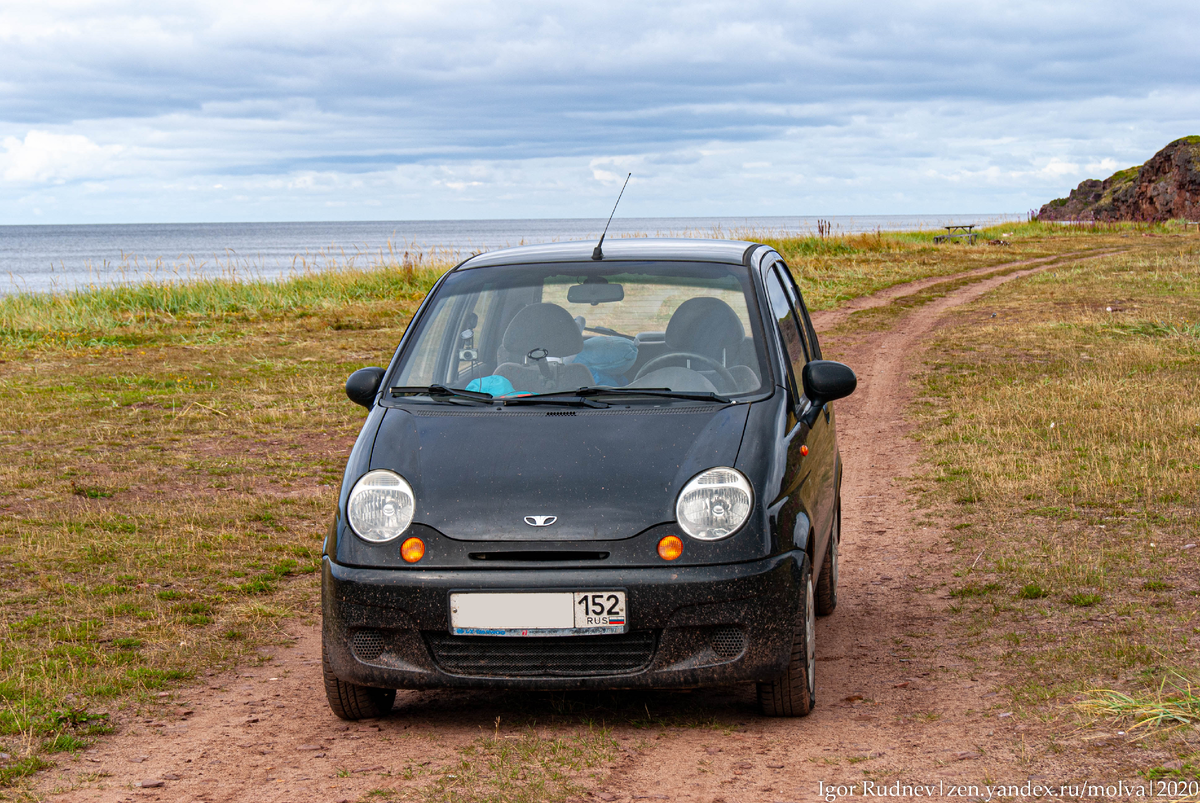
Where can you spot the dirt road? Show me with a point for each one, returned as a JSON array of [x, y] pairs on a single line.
[[895, 700]]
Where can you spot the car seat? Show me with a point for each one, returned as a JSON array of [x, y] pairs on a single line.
[[709, 327], [540, 336]]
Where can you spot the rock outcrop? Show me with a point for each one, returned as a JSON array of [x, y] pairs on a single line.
[[1164, 188]]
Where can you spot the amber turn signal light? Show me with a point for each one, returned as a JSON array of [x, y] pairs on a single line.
[[804, 451], [412, 550], [670, 547]]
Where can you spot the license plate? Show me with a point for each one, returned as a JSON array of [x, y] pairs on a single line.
[[545, 613]]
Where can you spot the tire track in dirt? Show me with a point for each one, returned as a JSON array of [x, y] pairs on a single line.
[[894, 702], [892, 698], [827, 319]]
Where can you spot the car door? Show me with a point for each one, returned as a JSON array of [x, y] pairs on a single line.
[[798, 488], [822, 438]]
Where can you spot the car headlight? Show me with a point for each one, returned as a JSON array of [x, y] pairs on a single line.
[[714, 504], [380, 506]]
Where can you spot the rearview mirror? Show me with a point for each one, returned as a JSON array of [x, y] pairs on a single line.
[[826, 380], [363, 384], [595, 291]]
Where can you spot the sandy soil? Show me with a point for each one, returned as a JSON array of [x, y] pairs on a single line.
[[894, 700]]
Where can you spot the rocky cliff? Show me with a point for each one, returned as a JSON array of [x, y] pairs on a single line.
[[1166, 187]]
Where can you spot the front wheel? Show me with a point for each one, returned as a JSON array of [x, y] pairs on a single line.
[[793, 693], [827, 582], [351, 701]]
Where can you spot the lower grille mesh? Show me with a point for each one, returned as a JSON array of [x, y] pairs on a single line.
[[728, 642], [368, 645], [565, 656]]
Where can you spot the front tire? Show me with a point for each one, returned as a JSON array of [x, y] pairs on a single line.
[[350, 701], [793, 693], [827, 582]]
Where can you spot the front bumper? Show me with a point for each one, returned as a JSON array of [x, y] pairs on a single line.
[[690, 626]]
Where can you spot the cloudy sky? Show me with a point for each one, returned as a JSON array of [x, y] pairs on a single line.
[[219, 111]]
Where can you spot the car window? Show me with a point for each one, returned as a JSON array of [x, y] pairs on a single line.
[[806, 330], [421, 369], [649, 302], [793, 299], [789, 332], [815, 345], [539, 328]]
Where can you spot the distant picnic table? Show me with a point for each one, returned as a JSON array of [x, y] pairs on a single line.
[[957, 233]]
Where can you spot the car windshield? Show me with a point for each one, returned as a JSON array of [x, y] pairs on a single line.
[[527, 329]]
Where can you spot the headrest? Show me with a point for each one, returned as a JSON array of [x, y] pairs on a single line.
[[706, 326], [546, 326]]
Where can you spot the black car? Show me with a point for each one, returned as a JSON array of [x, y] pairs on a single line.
[[588, 470]]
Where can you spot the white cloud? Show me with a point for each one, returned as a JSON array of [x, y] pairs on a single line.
[[1103, 168], [47, 157], [1056, 168], [474, 108]]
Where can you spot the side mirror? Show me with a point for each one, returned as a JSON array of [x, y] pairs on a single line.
[[363, 384], [826, 380]]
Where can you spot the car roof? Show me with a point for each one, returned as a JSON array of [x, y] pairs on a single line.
[[682, 249]]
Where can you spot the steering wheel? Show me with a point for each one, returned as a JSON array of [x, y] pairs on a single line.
[[721, 370]]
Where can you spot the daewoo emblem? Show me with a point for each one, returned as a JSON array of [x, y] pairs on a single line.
[[540, 521]]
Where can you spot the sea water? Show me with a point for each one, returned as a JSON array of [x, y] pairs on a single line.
[[68, 257]]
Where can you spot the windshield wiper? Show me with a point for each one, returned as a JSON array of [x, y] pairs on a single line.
[[441, 393], [553, 397], [582, 396], [666, 393]]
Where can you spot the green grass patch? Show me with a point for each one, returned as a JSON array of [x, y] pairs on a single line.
[[1175, 702], [21, 768], [65, 743], [135, 315], [975, 590], [1032, 591]]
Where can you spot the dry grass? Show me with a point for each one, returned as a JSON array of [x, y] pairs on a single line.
[[526, 766], [1061, 422], [835, 269], [169, 457], [166, 480], [1094, 410], [529, 765]]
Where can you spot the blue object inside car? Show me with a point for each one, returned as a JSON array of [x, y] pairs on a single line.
[[495, 385], [608, 358]]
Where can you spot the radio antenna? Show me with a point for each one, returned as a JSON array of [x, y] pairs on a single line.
[[597, 252]]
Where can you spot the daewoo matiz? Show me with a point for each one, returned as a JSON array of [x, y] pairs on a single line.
[[588, 469]]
